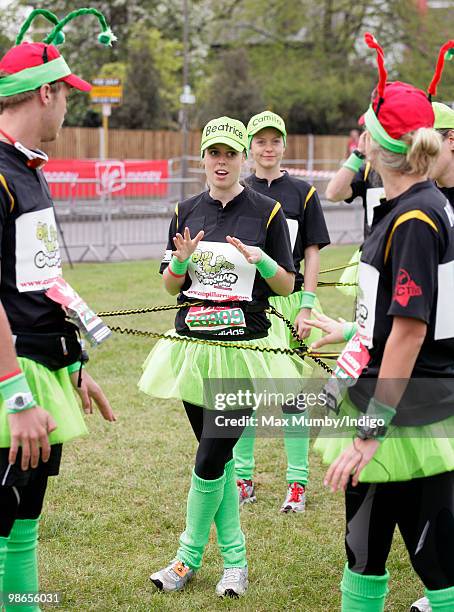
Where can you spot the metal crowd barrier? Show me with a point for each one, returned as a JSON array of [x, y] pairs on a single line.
[[131, 220]]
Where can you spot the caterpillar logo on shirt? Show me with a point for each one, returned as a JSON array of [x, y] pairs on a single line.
[[405, 288]]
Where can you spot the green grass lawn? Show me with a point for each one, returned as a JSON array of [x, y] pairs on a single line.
[[115, 513]]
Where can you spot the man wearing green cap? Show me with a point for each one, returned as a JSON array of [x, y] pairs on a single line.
[[267, 138], [34, 84]]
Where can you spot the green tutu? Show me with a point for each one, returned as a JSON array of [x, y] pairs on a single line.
[[54, 392], [290, 307], [351, 275], [180, 370], [405, 454]]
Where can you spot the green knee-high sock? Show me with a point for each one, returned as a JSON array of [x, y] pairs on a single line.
[[21, 566], [243, 454], [227, 520], [3, 549], [296, 442], [363, 593], [442, 600], [203, 501]]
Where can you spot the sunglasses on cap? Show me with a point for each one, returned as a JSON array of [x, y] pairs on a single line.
[[35, 159]]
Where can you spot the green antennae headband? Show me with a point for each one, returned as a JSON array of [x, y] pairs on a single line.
[[378, 133], [31, 78], [106, 37], [44, 13]]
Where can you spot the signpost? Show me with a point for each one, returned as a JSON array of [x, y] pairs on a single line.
[[106, 92]]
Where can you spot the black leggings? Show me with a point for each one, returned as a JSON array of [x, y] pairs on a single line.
[[18, 502], [422, 508], [215, 442]]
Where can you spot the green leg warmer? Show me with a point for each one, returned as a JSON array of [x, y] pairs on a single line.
[[203, 502], [227, 520], [296, 442], [442, 600], [21, 567], [243, 454], [3, 549], [363, 593]]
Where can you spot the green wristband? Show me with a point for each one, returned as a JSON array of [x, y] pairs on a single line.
[[74, 367], [267, 266], [307, 299], [349, 330], [179, 267], [353, 163], [377, 410]]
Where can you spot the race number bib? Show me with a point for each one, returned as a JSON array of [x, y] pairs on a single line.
[[79, 312], [220, 273], [38, 262], [373, 197], [367, 302], [214, 318]]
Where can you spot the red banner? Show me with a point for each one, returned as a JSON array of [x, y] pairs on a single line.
[[120, 178]]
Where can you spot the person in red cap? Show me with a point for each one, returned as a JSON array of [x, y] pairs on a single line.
[[38, 407], [393, 379]]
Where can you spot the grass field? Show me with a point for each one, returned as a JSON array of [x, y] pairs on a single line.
[[118, 507]]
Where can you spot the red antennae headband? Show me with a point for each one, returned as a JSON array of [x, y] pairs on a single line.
[[372, 43], [432, 90]]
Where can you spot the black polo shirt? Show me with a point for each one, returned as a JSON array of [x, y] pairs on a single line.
[[30, 256], [407, 270], [253, 218], [368, 186], [302, 210]]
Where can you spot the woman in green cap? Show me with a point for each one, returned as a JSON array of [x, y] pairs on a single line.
[[308, 234], [228, 251]]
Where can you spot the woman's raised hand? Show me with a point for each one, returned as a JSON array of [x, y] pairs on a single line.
[[185, 245]]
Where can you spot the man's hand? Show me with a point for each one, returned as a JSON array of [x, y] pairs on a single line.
[[352, 461], [89, 391], [29, 429], [302, 328]]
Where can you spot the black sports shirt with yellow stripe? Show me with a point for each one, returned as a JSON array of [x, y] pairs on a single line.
[[253, 218], [407, 270], [30, 256], [303, 212]]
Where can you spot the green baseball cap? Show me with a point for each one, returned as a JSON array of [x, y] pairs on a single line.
[[444, 116], [224, 130], [264, 120]]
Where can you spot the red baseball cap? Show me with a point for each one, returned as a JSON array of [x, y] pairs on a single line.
[[404, 108], [28, 55]]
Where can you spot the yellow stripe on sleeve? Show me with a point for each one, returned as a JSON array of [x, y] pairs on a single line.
[[309, 196], [366, 170], [176, 212], [273, 213], [3, 182], [411, 214]]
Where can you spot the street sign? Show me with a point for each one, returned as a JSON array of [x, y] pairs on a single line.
[[106, 91]]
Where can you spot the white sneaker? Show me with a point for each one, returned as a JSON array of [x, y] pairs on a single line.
[[174, 577], [233, 583], [295, 500], [422, 605]]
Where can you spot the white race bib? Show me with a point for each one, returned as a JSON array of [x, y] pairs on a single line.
[[367, 302], [38, 261], [219, 272], [373, 197]]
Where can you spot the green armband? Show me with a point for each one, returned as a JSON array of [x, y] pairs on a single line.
[[177, 267], [376, 411], [307, 299], [16, 394], [353, 163], [74, 367], [266, 266], [349, 330]]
